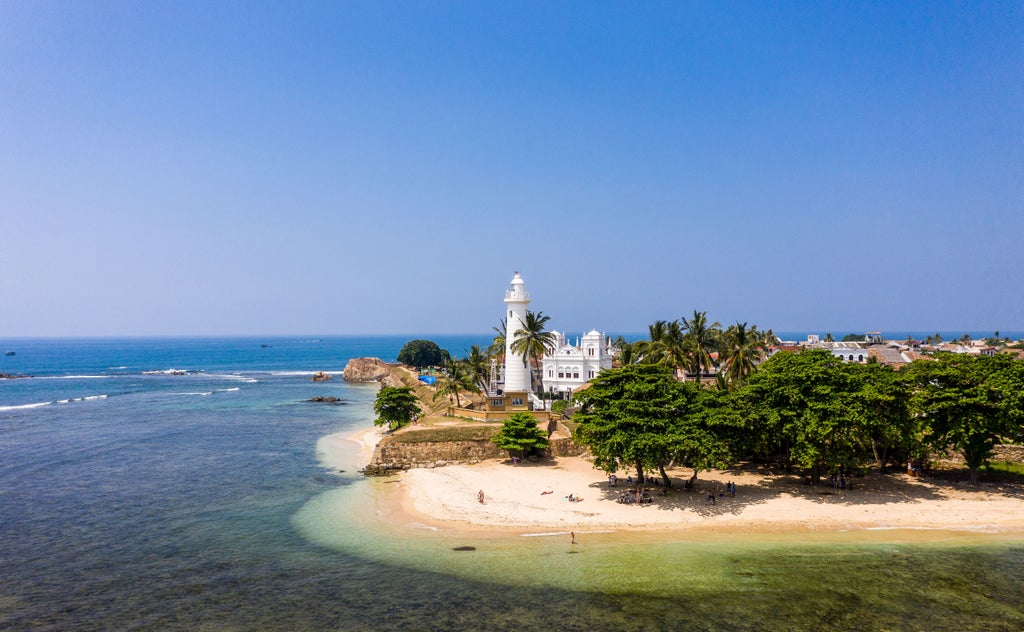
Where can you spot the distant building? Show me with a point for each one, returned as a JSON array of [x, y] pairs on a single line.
[[889, 356], [873, 338], [847, 354], [845, 351], [569, 366]]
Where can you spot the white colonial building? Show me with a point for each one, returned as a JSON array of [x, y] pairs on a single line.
[[570, 366]]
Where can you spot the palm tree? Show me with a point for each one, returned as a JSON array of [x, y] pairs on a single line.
[[665, 346], [478, 365], [742, 349], [532, 342], [767, 337], [699, 340], [628, 352], [497, 348], [454, 378]]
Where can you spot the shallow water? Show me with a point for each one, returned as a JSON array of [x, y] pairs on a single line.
[[198, 502]]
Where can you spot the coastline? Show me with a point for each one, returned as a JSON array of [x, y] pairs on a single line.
[[516, 501]]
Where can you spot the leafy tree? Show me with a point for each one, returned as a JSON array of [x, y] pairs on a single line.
[[881, 408], [626, 417], [395, 406], [639, 416], [799, 403], [854, 338], [706, 430], [829, 338], [969, 404], [421, 353], [532, 342], [520, 435]]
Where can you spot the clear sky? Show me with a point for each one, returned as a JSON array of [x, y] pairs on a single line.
[[211, 168]]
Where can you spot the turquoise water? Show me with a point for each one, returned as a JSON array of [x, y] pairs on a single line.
[[133, 500]]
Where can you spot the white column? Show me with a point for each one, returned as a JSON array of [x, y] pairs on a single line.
[[517, 374]]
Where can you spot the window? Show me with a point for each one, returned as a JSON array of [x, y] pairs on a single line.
[[561, 374], [591, 373], [860, 358], [590, 351], [576, 375], [551, 373], [496, 402], [517, 401], [851, 357]]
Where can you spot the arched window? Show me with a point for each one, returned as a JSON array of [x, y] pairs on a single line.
[[851, 357]]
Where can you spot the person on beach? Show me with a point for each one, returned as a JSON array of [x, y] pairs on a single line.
[[480, 496], [572, 535]]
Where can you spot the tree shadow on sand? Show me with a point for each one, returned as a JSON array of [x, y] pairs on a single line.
[[754, 487]]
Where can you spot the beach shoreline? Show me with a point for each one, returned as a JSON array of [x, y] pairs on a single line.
[[530, 497]]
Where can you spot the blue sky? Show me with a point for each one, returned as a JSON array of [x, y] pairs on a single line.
[[383, 167]]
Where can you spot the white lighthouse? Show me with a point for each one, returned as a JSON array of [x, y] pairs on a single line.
[[517, 373]]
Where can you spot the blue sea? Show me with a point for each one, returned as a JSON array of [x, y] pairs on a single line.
[[176, 484]]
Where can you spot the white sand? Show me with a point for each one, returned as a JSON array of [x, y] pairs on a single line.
[[514, 499]]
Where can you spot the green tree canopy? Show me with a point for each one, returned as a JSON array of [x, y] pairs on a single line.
[[639, 416], [421, 353], [520, 435], [395, 406], [800, 403], [969, 404]]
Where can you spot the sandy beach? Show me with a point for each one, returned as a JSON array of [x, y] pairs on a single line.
[[535, 495]]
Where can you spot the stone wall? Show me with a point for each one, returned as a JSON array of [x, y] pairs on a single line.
[[1012, 453], [392, 456]]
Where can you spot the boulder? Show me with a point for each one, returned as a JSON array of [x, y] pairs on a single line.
[[327, 399], [371, 370]]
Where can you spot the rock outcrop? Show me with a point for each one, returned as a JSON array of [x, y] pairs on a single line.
[[320, 376], [327, 399], [372, 370]]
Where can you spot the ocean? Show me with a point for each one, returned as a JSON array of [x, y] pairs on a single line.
[[176, 484]]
